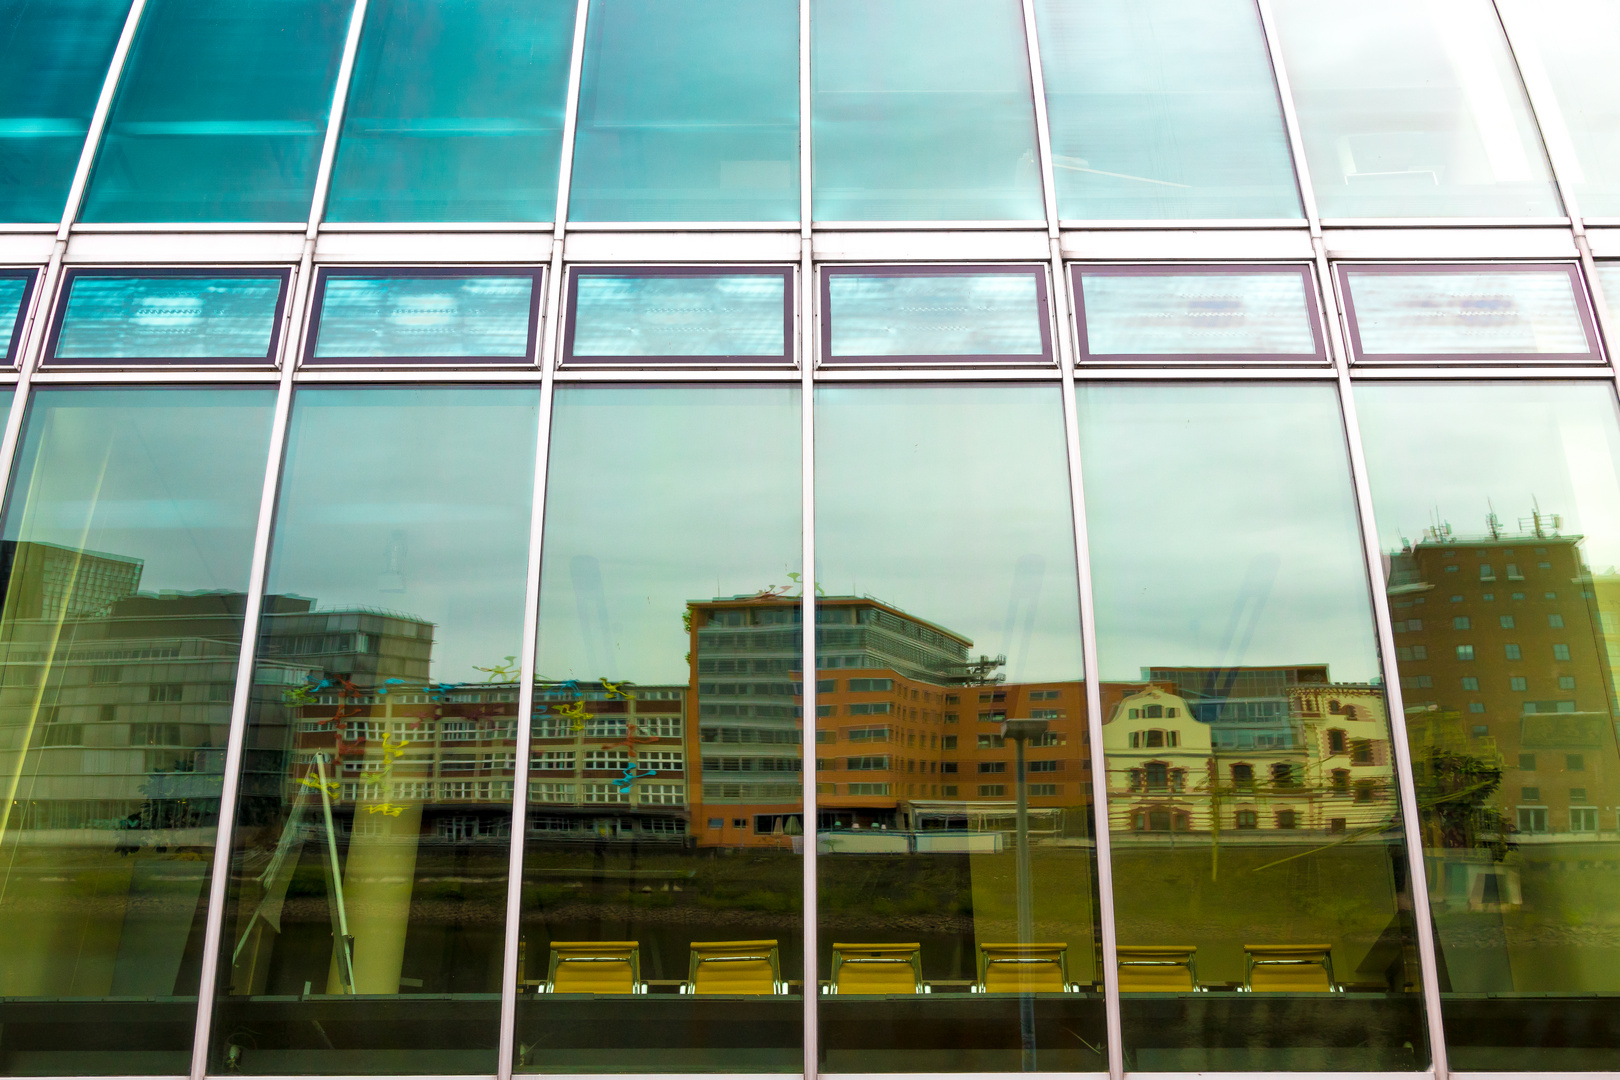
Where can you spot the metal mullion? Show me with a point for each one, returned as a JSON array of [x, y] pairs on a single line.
[[1417, 871], [1361, 374], [154, 377], [1285, 97], [809, 355], [334, 119], [1207, 374], [1063, 305], [1043, 128], [1536, 92], [565, 166], [418, 375]]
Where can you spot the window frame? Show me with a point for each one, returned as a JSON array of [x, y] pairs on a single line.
[[316, 307], [14, 339]]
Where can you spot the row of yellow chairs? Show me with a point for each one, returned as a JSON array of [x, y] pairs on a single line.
[[614, 967], [1289, 969], [896, 968]]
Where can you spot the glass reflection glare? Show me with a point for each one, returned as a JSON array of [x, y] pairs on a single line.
[[666, 815], [1498, 514], [958, 927], [1462, 312], [169, 318], [366, 912], [124, 565], [1242, 312], [936, 314], [687, 315], [1259, 866], [431, 315]]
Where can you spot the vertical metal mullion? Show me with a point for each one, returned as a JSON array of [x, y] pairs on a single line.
[[1285, 97], [565, 166], [1538, 94], [809, 353], [334, 118], [1091, 667], [1043, 130]]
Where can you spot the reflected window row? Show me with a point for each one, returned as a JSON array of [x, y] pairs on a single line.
[[689, 111], [869, 315], [1242, 779]]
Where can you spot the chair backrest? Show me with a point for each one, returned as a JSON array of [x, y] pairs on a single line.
[[1163, 969], [734, 967], [885, 968], [1033, 968], [594, 967], [1291, 969]]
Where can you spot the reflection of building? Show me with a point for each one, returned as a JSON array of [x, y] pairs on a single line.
[[907, 727], [1322, 761], [1504, 632], [1247, 707]]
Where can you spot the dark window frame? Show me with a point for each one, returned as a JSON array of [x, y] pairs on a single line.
[[1046, 359], [570, 315], [317, 302], [1583, 309], [30, 279], [73, 274], [1084, 355]]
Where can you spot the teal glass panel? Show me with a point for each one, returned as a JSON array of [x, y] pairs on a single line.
[[921, 110], [220, 112], [1499, 311], [365, 919], [124, 564], [1413, 111], [689, 111], [168, 318], [455, 112], [926, 315], [439, 315], [13, 291], [53, 60], [1163, 109], [687, 315], [1568, 47], [1139, 313]]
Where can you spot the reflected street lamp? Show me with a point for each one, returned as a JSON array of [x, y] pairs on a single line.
[[1020, 732]]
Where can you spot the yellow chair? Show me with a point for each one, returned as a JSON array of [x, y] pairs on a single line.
[[1035, 968], [888, 968], [735, 967], [1289, 969], [1157, 969], [594, 967]]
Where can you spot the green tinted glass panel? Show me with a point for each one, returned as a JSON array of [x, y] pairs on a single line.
[[53, 60], [1163, 109], [666, 739], [689, 112], [1413, 110], [953, 768], [695, 315], [1498, 516], [366, 914], [424, 316], [124, 558], [455, 112], [220, 113], [921, 110], [168, 318], [13, 290], [963, 314], [1145, 314], [1260, 867]]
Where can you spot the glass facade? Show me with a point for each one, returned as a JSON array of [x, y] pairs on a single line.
[[653, 537]]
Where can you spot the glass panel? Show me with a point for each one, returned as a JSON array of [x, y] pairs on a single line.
[[936, 314], [455, 112], [953, 768], [1163, 109], [1566, 46], [1140, 313], [1495, 312], [367, 901], [1413, 110], [922, 111], [425, 316], [53, 59], [666, 813], [1507, 626], [13, 291], [168, 318], [689, 111], [1259, 863], [125, 556], [220, 112], [718, 316]]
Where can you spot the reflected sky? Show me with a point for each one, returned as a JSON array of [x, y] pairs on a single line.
[[413, 500], [952, 503], [656, 497], [1522, 445], [1223, 530], [171, 477]]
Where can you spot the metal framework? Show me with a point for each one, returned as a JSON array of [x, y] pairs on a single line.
[[801, 249]]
